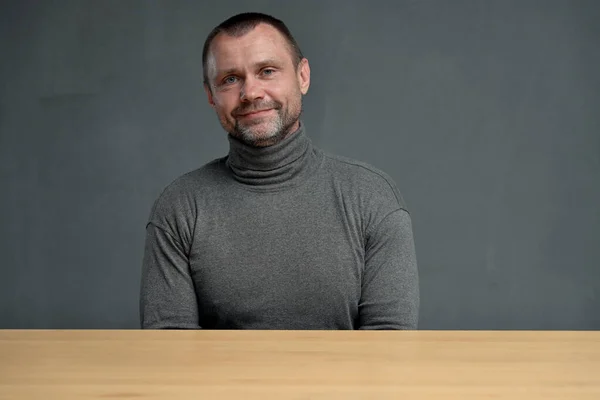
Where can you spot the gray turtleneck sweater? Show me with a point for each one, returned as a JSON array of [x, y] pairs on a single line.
[[282, 237]]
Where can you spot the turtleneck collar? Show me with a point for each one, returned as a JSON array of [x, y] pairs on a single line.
[[282, 165]]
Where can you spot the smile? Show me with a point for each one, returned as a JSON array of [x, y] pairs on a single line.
[[258, 113]]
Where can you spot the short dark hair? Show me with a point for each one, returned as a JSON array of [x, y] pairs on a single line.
[[240, 24]]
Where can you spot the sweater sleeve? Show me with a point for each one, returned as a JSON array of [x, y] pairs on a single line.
[[167, 298], [390, 286]]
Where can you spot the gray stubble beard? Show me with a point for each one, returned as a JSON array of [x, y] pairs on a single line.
[[277, 134]]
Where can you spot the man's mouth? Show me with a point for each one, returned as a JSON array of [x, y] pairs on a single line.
[[255, 113]]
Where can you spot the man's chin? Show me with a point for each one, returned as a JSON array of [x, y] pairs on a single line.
[[257, 134], [260, 139]]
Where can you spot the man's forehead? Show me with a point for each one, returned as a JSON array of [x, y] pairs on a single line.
[[263, 40]]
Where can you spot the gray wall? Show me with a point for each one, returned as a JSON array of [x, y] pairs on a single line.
[[486, 113]]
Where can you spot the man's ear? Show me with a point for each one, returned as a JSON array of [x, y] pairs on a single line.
[[304, 75], [209, 94]]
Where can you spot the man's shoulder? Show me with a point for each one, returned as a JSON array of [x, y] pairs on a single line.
[[182, 193], [204, 176], [352, 166], [194, 182], [363, 176]]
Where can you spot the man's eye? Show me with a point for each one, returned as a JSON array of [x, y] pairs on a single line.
[[268, 71], [229, 80]]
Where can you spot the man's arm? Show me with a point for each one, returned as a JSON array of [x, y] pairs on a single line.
[[167, 297], [390, 286]]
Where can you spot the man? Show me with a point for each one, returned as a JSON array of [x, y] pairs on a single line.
[[277, 234]]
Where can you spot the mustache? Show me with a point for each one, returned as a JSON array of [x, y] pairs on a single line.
[[254, 107]]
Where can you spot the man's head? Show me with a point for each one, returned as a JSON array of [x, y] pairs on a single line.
[[255, 76]]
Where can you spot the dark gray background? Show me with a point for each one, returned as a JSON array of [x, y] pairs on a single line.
[[486, 114]]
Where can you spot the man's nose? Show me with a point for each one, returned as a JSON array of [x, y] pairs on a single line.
[[251, 90]]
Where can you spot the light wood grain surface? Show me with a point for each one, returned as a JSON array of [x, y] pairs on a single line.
[[299, 365]]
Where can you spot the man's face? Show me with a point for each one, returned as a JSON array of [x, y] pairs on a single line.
[[254, 87]]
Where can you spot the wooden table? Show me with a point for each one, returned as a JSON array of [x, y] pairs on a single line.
[[299, 365]]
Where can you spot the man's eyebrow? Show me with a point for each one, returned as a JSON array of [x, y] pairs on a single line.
[[267, 62], [227, 71], [260, 64]]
